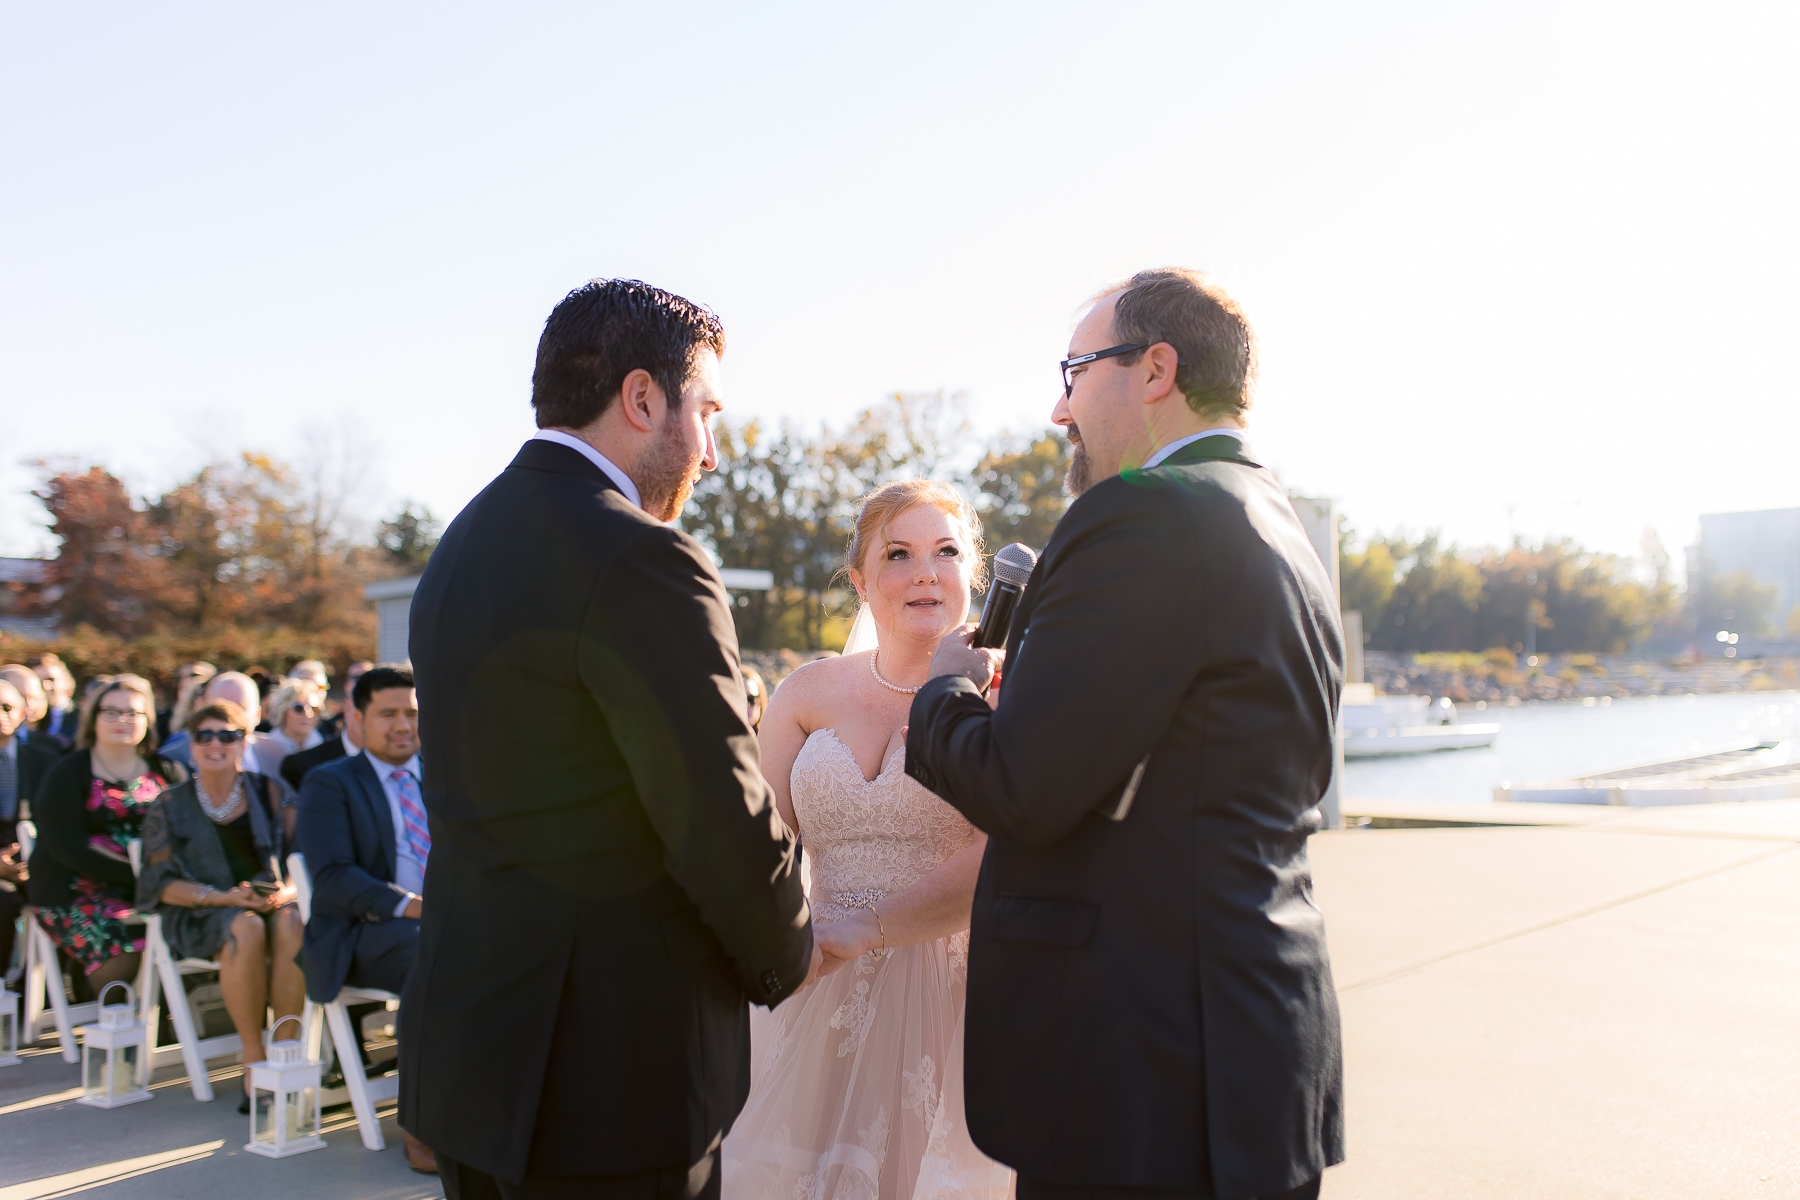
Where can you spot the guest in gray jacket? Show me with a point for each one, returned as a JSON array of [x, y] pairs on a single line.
[[213, 847]]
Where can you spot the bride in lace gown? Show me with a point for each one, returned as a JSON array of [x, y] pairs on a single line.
[[856, 1080]]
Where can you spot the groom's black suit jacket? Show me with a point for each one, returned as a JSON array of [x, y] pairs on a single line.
[[608, 878], [1150, 1001]]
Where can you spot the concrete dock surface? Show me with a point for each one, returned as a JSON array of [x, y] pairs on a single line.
[[1594, 1010], [1608, 1010]]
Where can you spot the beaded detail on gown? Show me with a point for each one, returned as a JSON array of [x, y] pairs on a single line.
[[856, 1079]]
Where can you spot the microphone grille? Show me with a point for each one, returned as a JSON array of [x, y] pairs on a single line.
[[1013, 564]]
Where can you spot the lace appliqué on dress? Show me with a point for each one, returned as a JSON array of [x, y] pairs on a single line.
[[854, 1015]]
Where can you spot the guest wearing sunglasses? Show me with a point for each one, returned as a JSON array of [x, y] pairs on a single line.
[[242, 691], [88, 812], [294, 723], [213, 848]]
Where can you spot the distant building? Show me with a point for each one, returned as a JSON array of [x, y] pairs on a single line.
[[25, 598], [1765, 545]]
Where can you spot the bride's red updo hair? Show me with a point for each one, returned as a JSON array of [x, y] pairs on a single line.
[[889, 500]]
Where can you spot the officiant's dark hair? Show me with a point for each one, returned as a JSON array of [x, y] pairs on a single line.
[[1213, 340], [603, 331]]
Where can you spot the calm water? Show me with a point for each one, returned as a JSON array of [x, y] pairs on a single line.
[[1562, 741]]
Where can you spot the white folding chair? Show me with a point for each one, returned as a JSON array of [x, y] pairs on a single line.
[[47, 1004], [162, 967], [364, 1093]]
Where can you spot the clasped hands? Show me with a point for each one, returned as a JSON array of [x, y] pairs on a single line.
[[838, 942]]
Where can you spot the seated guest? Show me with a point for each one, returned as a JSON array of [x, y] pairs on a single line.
[[37, 705], [189, 678], [208, 843], [62, 719], [363, 830], [22, 771], [88, 810], [294, 713], [242, 691]]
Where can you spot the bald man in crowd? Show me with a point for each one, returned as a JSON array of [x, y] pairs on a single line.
[[37, 705]]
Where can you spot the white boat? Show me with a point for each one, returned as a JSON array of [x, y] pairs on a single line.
[[1374, 726], [1767, 770]]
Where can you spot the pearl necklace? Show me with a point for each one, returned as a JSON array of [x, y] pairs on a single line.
[[892, 687], [218, 812]]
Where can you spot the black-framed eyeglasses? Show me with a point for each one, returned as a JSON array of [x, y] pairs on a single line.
[[225, 737], [1082, 360]]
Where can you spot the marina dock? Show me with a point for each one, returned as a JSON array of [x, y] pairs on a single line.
[[1569, 1011]]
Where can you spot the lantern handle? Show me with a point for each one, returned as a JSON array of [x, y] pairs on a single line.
[[280, 1021], [130, 996]]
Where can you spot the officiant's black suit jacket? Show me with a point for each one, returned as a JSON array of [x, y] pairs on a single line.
[[608, 880], [1150, 1002]]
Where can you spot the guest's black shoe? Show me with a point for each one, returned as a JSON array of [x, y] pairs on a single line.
[[244, 1105]]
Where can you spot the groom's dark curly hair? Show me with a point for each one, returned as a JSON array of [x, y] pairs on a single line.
[[603, 331]]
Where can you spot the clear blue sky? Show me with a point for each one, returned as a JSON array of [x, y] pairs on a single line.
[[1515, 267]]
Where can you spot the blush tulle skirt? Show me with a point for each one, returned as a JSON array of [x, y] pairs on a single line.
[[856, 1088]]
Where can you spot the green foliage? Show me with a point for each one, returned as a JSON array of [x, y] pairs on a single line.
[[784, 501], [1737, 603], [1423, 596], [1020, 489], [408, 537]]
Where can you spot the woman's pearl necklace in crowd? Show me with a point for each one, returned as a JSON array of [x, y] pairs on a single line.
[[893, 687], [218, 812]]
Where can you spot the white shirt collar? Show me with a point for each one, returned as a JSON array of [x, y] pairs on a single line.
[[384, 769], [594, 456], [351, 749], [1161, 456]]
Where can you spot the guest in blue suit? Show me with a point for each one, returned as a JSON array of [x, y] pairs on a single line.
[[363, 830]]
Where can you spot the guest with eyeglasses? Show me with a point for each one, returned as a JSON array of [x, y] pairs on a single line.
[[213, 853], [90, 809], [294, 723]]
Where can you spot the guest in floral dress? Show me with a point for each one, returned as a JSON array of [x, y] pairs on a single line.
[[88, 812]]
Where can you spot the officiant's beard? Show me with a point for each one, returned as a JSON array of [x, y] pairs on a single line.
[[667, 471], [1081, 469]]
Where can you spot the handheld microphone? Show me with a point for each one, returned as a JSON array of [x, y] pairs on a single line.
[[1012, 567]]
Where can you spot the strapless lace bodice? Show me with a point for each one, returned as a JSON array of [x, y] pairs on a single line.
[[867, 838]]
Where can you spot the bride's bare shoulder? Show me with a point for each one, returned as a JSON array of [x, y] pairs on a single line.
[[817, 683]]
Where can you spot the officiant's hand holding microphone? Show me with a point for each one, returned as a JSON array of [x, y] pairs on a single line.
[[975, 651]]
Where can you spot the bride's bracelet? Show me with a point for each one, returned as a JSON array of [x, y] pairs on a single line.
[[880, 928]]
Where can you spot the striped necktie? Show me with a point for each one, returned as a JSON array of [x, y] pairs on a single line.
[[412, 813]]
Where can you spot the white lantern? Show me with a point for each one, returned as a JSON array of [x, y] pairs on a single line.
[[114, 1063], [284, 1100], [9, 1029]]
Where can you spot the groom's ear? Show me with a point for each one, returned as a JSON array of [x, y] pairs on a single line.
[[641, 401]]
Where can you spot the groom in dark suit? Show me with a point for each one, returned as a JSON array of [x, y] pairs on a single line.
[[1151, 1012], [610, 882]]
